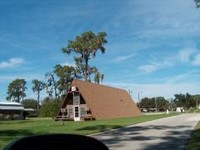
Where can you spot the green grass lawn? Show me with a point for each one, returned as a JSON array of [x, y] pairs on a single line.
[[12, 130], [194, 143]]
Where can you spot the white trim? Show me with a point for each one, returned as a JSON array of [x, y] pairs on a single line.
[[10, 103], [79, 115], [11, 106]]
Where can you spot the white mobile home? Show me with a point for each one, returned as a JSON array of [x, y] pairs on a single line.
[[11, 110]]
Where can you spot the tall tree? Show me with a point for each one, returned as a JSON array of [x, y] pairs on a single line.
[[65, 74], [98, 77], [185, 100], [162, 103], [38, 86], [197, 3], [51, 84], [30, 103], [180, 100], [156, 102], [85, 47], [197, 100], [16, 90]]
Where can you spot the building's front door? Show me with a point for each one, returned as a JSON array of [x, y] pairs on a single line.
[[77, 113]]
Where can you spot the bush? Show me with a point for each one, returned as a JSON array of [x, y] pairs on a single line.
[[198, 111], [193, 110], [50, 107], [29, 103], [194, 140]]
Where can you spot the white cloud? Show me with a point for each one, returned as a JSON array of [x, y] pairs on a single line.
[[162, 19], [154, 66], [186, 54], [196, 60], [11, 63], [124, 58], [191, 76], [67, 64], [148, 68], [190, 55]]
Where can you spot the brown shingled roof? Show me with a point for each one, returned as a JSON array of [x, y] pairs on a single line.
[[106, 102]]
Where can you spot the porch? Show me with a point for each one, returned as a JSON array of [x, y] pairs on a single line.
[[75, 113]]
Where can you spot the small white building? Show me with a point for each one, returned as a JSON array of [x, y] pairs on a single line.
[[11, 110], [180, 109]]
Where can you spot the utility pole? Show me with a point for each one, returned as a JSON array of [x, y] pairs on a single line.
[[156, 104]]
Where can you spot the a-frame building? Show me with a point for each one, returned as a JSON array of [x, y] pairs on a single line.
[[87, 100]]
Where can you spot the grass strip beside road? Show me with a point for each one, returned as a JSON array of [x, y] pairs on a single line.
[[194, 142], [12, 130]]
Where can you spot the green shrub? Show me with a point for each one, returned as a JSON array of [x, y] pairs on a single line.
[[193, 143], [191, 110], [49, 108], [197, 110]]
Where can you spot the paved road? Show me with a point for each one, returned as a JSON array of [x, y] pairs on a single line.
[[168, 133]]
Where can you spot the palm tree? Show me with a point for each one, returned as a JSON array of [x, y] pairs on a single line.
[[38, 86], [51, 84], [98, 77]]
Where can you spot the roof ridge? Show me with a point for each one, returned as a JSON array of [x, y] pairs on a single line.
[[95, 84]]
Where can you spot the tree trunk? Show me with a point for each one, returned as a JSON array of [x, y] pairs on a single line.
[[38, 100], [86, 69], [18, 99], [55, 90]]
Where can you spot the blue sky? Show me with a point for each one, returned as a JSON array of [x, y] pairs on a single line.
[[153, 46]]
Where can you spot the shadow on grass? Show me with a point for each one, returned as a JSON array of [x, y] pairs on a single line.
[[17, 121], [100, 128], [152, 137], [13, 132], [7, 136]]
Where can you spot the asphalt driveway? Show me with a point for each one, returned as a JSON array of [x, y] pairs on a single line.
[[170, 133]]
